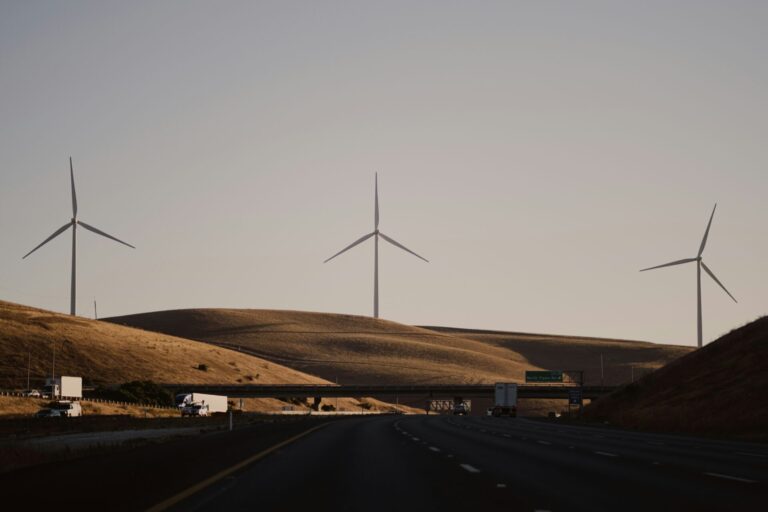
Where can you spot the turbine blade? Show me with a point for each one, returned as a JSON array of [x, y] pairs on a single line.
[[706, 269], [678, 262], [99, 232], [54, 235], [74, 196], [396, 244], [706, 233], [377, 202], [358, 241]]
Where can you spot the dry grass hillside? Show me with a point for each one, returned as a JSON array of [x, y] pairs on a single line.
[[105, 353], [353, 349], [364, 350], [622, 359], [720, 389]]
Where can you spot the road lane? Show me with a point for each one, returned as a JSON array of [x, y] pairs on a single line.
[[430, 463], [583, 470], [360, 464]]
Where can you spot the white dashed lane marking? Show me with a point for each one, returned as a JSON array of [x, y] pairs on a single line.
[[544, 442], [469, 468], [606, 454], [434, 448], [734, 478], [751, 454]]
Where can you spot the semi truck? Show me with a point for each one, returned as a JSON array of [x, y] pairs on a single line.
[[505, 400], [63, 387], [201, 404]]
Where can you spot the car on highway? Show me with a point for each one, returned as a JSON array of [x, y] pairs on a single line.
[[33, 393], [61, 409], [460, 409]]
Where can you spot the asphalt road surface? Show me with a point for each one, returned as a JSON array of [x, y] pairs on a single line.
[[399, 463]]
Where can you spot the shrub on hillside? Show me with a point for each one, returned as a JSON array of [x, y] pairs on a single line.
[[142, 391]]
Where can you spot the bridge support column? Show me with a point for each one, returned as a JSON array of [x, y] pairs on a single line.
[[316, 403]]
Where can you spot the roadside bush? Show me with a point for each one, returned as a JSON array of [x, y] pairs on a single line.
[[202, 367], [143, 391]]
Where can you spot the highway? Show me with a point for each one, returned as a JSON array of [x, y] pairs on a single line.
[[395, 463]]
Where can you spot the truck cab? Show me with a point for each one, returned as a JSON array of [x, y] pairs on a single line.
[[195, 409], [61, 409]]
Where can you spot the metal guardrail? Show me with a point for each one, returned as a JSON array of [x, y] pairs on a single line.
[[332, 390], [88, 399]]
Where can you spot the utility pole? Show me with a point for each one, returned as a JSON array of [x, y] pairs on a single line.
[[602, 372], [29, 365], [53, 371], [95, 314]]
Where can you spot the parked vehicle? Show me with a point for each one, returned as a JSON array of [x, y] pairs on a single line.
[[215, 404], [63, 387], [33, 393], [505, 400]]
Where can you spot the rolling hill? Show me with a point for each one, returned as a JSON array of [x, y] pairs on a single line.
[[717, 390], [363, 350], [105, 353]]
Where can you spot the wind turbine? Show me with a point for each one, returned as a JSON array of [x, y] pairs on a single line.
[[376, 233], [73, 223], [699, 265]]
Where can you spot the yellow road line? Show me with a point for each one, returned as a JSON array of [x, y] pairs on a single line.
[[173, 500]]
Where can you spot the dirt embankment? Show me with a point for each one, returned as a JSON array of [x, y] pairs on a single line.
[[719, 390]]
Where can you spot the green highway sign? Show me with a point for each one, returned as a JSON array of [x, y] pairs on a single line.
[[544, 376]]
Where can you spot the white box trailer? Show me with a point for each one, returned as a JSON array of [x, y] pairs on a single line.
[[505, 399], [64, 387], [215, 403]]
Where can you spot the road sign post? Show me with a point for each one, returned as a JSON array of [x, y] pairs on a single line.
[[575, 397]]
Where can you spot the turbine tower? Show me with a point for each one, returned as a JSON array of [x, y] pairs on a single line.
[[376, 233], [73, 223], [699, 265]]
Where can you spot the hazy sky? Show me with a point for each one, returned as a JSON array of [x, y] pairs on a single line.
[[537, 153]]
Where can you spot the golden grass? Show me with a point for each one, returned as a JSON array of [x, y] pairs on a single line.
[[717, 390], [363, 350], [104, 353], [623, 360], [19, 406]]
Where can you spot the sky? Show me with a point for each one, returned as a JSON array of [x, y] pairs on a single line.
[[539, 154]]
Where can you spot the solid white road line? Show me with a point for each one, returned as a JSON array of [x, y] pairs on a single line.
[[606, 454], [469, 468], [729, 477], [751, 454]]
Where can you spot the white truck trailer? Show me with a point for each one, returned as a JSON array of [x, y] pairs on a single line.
[[214, 403], [64, 387], [505, 400]]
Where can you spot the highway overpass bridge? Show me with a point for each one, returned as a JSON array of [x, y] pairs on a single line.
[[555, 391]]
